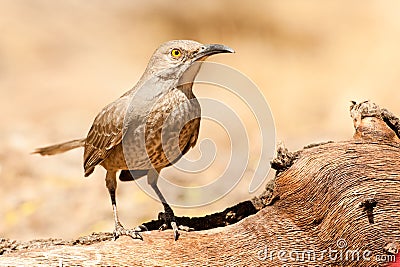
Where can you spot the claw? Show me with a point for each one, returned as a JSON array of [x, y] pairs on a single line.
[[133, 233], [171, 220], [175, 229], [163, 227]]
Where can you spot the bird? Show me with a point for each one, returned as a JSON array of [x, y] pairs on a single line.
[[149, 127]]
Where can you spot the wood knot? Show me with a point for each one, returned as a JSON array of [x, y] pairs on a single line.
[[284, 159], [373, 123], [316, 221], [369, 204], [391, 248]]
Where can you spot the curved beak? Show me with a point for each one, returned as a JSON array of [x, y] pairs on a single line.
[[212, 49]]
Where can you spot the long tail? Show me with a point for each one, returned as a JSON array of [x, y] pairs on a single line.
[[60, 148]]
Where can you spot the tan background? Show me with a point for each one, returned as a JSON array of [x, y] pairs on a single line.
[[62, 61]]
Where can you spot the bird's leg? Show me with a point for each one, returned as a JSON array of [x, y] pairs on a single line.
[[169, 216], [119, 230]]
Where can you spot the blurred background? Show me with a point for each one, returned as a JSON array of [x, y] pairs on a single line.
[[62, 61]]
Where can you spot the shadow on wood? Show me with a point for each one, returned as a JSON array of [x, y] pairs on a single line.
[[331, 204]]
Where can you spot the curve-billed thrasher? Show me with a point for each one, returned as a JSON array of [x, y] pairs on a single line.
[[128, 134]]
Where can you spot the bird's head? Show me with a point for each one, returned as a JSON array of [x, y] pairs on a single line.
[[175, 58]]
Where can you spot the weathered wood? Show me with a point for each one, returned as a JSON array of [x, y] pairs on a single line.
[[331, 204]]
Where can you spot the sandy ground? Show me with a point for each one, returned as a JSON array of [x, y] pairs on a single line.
[[61, 62]]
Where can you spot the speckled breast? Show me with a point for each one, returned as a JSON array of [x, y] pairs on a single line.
[[171, 126]]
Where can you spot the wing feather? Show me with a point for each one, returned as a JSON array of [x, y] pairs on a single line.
[[106, 132]]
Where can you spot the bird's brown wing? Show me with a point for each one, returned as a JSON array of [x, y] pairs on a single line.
[[106, 132], [193, 139]]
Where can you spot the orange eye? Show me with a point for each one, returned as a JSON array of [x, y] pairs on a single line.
[[176, 53]]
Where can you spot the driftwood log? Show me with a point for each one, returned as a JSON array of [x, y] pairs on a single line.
[[331, 204]]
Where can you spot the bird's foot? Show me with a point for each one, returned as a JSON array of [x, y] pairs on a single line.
[[134, 233], [172, 221]]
